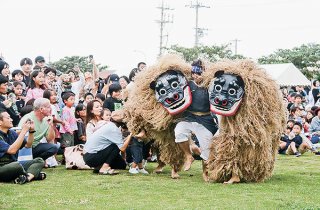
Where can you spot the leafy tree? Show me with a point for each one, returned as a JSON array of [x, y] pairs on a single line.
[[210, 53], [68, 63], [306, 58]]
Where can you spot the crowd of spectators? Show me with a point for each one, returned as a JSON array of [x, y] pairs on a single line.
[[47, 112]]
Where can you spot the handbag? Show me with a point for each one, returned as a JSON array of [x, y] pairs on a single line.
[[74, 157]]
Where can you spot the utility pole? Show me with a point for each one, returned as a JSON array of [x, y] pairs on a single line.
[[49, 57], [236, 45], [198, 31], [164, 19]]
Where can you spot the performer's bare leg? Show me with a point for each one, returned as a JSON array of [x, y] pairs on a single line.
[[234, 179], [205, 175], [174, 173], [159, 167], [186, 149]]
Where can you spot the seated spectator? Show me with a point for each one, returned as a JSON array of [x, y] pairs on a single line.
[[298, 145], [295, 114], [297, 102], [314, 128], [44, 129], [94, 109], [114, 102], [284, 141], [10, 144], [103, 148]]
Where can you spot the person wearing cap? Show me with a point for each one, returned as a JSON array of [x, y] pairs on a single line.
[[314, 128], [40, 62], [112, 78], [26, 67], [114, 102], [196, 119]]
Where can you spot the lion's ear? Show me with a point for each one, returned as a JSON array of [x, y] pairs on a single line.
[[153, 85], [219, 73]]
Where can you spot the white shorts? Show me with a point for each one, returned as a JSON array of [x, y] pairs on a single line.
[[183, 132]]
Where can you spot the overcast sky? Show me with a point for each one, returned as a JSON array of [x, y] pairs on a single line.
[[121, 33]]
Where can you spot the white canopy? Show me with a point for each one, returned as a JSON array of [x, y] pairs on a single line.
[[286, 74]]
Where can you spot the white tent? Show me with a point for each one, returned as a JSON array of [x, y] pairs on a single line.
[[286, 74]]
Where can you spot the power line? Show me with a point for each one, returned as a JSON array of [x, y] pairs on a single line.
[[199, 32], [164, 19]]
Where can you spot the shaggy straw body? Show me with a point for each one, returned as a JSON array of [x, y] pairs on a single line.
[[144, 112], [247, 142]]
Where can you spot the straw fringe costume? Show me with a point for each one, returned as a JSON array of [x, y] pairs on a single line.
[[143, 112], [247, 142]]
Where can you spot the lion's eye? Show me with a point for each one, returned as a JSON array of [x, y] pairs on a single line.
[[232, 91], [162, 91], [174, 85], [218, 88]]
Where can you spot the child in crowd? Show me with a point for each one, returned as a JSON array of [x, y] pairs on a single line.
[[114, 102], [284, 141], [18, 90], [297, 144], [80, 134], [55, 110], [67, 130], [87, 98], [105, 116], [36, 85], [134, 156], [100, 97]]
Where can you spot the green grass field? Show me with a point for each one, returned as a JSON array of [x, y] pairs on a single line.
[[294, 185]]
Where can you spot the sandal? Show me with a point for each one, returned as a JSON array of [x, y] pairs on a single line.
[[41, 176], [21, 179], [109, 171]]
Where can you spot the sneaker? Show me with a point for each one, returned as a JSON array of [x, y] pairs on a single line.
[[143, 171], [317, 153], [133, 171], [297, 154], [144, 163], [21, 179]]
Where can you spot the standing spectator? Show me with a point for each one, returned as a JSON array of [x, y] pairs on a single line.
[[124, 81], [80, 136], [70, 122], [10, 143], [40, 63], [26, 66], [315, 91], [5, 103], [114, 102], [141, 66], [37, 85], [76, 85], [111, 79], [44, 127]]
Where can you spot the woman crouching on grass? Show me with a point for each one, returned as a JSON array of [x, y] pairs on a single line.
[[103, 147]]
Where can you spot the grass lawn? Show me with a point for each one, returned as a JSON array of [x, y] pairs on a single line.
[[294, 185]]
